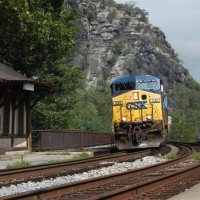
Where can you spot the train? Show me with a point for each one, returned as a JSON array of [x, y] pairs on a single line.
[[140, 112]]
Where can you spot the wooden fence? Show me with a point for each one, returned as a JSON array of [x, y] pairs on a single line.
[[68, 139]]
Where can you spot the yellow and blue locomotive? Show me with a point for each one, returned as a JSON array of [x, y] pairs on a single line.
[[140, 112]]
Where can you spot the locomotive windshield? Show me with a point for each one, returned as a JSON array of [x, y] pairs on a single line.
[[122, 88], [126, 84], [148, 85]]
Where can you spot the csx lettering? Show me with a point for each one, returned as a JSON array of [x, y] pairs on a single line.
[[136, 105]]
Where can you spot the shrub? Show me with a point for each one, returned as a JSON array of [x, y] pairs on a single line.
[[18, 164], [109, 3], [81, 156], [112, 15], [195, 156], [92, 16], [118, 47], [172, 156]]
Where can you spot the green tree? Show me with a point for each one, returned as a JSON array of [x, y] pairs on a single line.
[[100, 97], [112, 15], [54, 111], [182, 129], [110, 3], [186, 116], [93, 111], [35, 34], [38, 39]]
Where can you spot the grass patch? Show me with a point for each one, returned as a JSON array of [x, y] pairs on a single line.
[[18, 164], [77, 157], [195, 156], [81, 156], [57, 161], [171, 156], [58, 153]]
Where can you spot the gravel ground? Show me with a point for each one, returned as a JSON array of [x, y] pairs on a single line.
[[35, 158], [114, 168]]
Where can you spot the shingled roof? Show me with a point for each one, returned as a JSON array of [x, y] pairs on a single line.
[[7, 73], [10, 76]]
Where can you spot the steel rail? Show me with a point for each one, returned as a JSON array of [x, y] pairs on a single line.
[[47, 170], [141, 188], [67, 188]]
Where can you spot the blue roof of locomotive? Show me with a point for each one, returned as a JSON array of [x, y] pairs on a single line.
[[134, 79]]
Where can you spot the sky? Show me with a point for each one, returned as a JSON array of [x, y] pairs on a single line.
[[180, 21]]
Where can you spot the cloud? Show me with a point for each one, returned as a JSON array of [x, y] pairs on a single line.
[[178, 19]]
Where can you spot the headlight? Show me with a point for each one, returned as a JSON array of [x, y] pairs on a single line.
[[124, 119], [135, 96], [149, 117]]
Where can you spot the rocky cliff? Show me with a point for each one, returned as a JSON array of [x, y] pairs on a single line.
[[117, 40]]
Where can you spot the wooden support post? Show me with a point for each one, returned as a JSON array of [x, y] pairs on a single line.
[[30, 142]]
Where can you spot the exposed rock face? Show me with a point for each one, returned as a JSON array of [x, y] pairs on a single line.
[[115, 43]]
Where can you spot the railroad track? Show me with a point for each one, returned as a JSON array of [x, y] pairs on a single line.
[[133, 184], [44, 171]]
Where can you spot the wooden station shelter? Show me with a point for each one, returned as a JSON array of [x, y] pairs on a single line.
[[18, 95]]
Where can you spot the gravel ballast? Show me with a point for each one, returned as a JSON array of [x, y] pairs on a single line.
[[114, 168]]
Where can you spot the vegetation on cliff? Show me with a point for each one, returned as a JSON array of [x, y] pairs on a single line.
[[186, 115]]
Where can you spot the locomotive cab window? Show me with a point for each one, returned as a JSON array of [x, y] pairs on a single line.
[[151, 85], [122, 88]]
